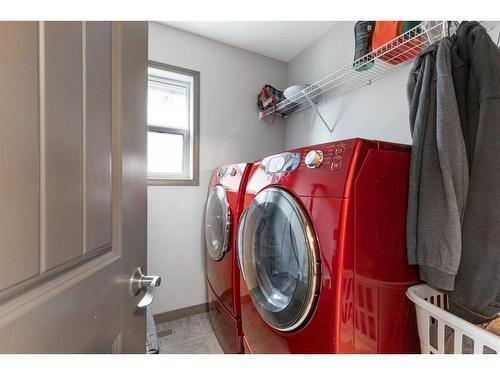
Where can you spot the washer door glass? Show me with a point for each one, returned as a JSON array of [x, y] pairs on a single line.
[[278, 258], [217, 223]]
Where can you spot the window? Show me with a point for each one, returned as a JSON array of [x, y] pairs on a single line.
[[173, 125]]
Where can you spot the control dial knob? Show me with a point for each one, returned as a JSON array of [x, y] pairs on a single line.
[[314, 159]]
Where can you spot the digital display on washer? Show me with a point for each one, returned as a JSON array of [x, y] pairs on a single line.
[[281, 163]]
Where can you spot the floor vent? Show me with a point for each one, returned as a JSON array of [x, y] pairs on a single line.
[[165, 333]]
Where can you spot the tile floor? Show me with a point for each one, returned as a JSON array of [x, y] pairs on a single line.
[[190, 335]]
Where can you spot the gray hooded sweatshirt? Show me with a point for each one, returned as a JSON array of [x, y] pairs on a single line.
[[438, 169], [476, 59]]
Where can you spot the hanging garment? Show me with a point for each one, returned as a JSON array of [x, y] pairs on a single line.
[[476, 296], [438, 169], [421, 92]]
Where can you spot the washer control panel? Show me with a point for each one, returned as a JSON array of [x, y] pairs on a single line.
[[329, 156], [281, 163]]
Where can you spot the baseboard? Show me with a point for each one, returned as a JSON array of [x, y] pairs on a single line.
[[181, 313]]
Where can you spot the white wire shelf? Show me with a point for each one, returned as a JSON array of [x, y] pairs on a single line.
[[388, 59]]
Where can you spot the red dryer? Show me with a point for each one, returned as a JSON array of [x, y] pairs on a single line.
[[224, 203], [321, 248]]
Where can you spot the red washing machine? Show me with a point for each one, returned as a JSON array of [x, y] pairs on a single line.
[[224, 203], [321, 247]]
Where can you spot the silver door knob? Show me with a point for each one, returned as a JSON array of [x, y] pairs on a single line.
[[139, 282]]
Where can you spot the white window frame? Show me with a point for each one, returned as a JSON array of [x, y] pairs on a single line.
[[190, 157]]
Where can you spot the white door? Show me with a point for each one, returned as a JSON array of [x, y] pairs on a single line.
[[73, 186]]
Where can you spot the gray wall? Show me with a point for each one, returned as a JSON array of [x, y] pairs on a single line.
[[230, 131], [378, 111]]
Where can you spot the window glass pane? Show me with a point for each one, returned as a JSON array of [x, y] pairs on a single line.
[[168, 105], [165, 152]]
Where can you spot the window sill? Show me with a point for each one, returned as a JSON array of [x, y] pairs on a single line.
[[172, 182]]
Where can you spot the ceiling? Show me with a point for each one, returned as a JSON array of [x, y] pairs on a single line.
[[281, 40]]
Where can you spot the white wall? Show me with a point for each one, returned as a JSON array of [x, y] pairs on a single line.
[[229, 132], [378, 111]]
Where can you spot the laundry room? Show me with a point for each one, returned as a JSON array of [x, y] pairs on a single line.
[[249, 186], [276, 259]]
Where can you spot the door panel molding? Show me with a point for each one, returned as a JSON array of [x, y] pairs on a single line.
[[43, 152], [17, 307], [55, 272], [98, 134], [37, 52], [63, 142], [48, 260], [84, 137], [19, 145], [41, 320], [116, 138], [35, 39]]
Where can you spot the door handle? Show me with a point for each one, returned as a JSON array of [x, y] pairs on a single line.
[[139, 282]]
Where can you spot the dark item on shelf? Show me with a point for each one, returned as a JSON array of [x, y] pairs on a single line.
[[269, 97], [363, 31], [387, 31], [408, 25]]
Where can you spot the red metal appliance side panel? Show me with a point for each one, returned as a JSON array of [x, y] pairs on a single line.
[[235, 270], [344, 266], [384, 317]]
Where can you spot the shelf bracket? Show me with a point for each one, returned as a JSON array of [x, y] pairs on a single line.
[[315, 109]]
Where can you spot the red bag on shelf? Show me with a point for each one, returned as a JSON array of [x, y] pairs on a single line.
[[401, 49]]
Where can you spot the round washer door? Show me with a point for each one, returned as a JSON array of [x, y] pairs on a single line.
[[278, 258], [217, 223]]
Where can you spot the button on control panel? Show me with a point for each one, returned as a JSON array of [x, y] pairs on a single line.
[[335, 166], [227, 171], [339, 150], [314, 159]]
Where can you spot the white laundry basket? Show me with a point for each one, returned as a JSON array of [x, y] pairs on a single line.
[[441, 332]]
